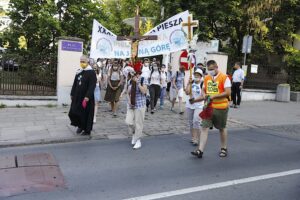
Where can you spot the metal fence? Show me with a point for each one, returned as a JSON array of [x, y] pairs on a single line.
[[267, 78], [21, 80]]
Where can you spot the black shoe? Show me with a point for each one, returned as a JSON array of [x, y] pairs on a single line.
[[152, 111], [86, 133], [79, 130], [181, 113], [197, 153]]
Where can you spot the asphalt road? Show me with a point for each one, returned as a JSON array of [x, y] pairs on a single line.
[[110, 169]]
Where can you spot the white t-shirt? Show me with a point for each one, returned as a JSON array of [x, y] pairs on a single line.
[[98, 79], [146, 72], [116, 75], [196, 92], [227, 83], [155, 78], [164, 79], [238, 75]]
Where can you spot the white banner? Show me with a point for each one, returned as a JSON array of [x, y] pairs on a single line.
[[171, 37], [105, 45]]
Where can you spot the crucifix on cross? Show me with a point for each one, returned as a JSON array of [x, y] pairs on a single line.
[[136, 37]]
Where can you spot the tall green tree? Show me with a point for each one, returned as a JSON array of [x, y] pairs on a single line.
[[43, 21], [118, 10]]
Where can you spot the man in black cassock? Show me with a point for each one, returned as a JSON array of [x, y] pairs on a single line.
[[82, 94]]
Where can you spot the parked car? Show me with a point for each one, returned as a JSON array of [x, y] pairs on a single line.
[[10, 65]]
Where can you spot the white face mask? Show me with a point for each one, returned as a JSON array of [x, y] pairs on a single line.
[[197, 79], [155, 68], [147, 64], [211, 72]]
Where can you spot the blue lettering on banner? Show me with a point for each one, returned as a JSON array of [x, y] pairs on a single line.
[[103, 30], [144, 51], [121, 53], [170, 24], [160, 48]]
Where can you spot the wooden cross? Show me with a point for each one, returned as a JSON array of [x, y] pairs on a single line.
[[134, 48], [136, 37], [190, 24]]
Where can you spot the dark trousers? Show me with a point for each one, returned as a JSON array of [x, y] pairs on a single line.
[[154, 95], [236, 93]]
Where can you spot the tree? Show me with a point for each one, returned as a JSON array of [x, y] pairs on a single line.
[[118, 10], [76, 18], [269, 21], [36, 22]]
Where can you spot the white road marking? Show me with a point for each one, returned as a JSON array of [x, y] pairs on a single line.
[[215, 185]]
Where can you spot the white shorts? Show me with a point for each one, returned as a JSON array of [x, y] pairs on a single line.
[[194, 118], [174, 94]]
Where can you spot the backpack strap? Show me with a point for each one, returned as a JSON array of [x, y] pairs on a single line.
[[142, 81]]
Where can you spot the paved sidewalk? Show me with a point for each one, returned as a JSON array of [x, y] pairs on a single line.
[[21, 126]]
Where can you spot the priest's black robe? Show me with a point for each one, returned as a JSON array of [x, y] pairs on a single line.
[[83, 86]]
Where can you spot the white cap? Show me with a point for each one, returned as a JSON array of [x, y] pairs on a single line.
[[128, 70], [199, 71]]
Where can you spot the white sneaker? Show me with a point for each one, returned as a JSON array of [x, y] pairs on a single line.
[[137, 145], [133, 140], [95, 120]]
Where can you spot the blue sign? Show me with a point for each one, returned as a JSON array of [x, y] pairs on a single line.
[[71, 46]]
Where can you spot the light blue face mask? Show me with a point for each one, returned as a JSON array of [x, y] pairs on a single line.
[[197, 79]]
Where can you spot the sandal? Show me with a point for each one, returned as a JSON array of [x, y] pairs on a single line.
[[194, 142], [223, 152], [197, 153]]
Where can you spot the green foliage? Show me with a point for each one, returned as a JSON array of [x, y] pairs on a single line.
[[2, 106], [118, 10], [293, 64], [43, 21], [271, 22]]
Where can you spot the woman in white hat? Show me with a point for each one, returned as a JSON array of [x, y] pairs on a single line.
[[194, 105]]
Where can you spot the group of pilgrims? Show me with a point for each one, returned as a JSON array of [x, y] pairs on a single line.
[[145, 86]]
